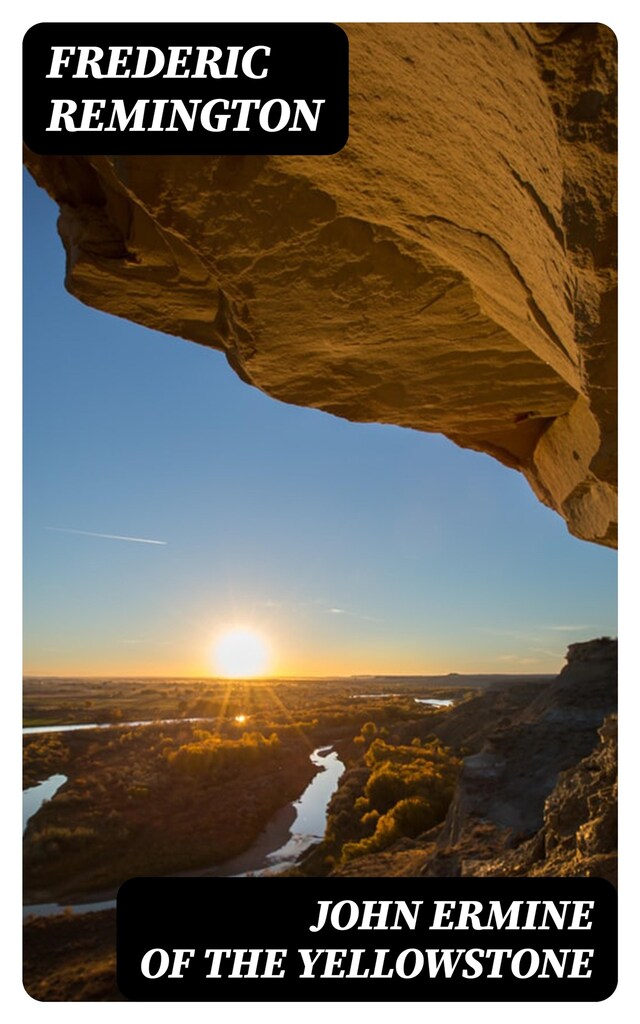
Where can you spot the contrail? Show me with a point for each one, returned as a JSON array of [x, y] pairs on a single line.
[[105, 536]]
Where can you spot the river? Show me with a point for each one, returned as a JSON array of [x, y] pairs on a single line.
[[34, 797], [294, 829], [35, 730], [416, 700], [291, 831]]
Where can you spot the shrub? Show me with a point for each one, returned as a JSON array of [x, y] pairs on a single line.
[[408, 817], [408, 791]]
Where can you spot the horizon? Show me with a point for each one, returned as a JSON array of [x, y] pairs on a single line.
[[42, 677]]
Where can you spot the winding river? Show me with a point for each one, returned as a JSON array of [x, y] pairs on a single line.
[[290, 833], [294, 829]]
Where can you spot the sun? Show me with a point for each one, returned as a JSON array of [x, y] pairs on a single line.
[[240, 653]]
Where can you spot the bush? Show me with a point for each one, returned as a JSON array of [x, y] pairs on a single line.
[[210, 756], [408, 818], [408, 791]]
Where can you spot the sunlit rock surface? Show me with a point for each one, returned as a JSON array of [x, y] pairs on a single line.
[[451, 270], [537, 786], [579, 834]]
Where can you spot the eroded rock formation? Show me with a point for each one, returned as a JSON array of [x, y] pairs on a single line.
[[579, 834], [450, 270], [504, 789], [538, 793], [539, 799]]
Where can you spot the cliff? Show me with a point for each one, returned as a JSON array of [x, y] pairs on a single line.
[[579, 833], [508, 780], [452, 269], [538, 793]]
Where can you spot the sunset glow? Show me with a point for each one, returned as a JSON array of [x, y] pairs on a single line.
[[240, 653], [348, 548]]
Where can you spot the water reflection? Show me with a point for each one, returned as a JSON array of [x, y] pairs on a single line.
[[34, 797], [309, 815], [311, 810]]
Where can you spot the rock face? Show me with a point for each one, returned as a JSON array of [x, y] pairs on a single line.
[[540, 795], [452, 269], [579, 834], [538, 782]]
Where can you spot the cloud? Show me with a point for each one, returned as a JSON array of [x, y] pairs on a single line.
[[514, 659], [568, 629], [148, 643], [547, 654], [105, 536], [511, 633], [318, 604], [352, 615]]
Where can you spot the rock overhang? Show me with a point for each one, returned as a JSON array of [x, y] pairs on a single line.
[[451, 270]]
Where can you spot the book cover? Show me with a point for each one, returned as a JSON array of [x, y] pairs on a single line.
[[320, 511]]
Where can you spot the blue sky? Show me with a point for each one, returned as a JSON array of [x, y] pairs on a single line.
[[351, 548]]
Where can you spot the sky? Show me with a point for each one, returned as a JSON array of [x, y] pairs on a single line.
[[349, 548]]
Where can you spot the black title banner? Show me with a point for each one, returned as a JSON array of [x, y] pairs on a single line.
[[367, 939], [186, 89]]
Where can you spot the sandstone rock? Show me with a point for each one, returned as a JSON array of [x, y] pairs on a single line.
[[524, 787], [579, 832], [451, 270]]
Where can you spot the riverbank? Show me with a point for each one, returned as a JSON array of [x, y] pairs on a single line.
[[152, 801], [158, 797], [291, 831]]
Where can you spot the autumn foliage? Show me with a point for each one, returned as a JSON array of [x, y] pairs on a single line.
[[406, 791]]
